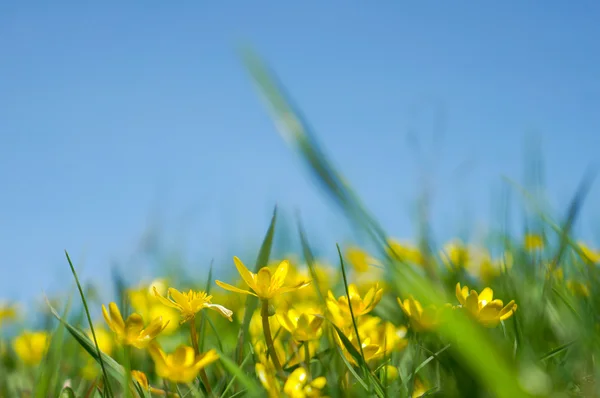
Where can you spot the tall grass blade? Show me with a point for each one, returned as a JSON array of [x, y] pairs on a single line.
[[497, 375], [89, 318]]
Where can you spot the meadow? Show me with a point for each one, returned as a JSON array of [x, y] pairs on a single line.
[[516, 317]]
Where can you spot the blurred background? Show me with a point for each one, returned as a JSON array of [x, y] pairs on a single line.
[[130, 133]]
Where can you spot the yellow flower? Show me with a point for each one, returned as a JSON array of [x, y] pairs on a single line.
[[298, 385], [303, 326], [359, 259], [183, 365], [483, 307], [389, 336], [145, 303], [533, 242], [132, 331], [141, 378], [590, 255], [31, 346], [191, 303], [405, 251], [264, 284], [267, 378], [7, 312], [340, 310], [422, 319], [370, 349], [455, 255]]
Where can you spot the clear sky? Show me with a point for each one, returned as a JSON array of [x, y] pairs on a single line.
[[113, 112]]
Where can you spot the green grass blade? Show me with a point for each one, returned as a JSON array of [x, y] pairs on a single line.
[[89, 318], [310, 261], [362, 354], [558, 350], [497, 375], [252, 387], [230, 384]]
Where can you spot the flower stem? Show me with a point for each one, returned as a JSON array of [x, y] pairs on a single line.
[[203, 375], [307, 359], [269, 339]]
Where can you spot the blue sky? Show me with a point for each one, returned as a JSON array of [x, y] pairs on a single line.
[[114, 116]]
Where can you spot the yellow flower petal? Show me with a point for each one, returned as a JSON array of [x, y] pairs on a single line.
[[246, 275], [231, 288]]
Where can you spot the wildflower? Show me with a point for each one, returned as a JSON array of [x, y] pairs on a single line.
[[191, 303], [183, 365], [145, 303], [358, 259], [590, 255], [31, 346], [455, 255], [370, 350], [132, 331], [533, 242], [141, 378], [340, 310], [389, 336], [422, 319], [390, 373], [405, 251], [303, 326], [7, 312], [298, 385], [264, 284], [483, 307]]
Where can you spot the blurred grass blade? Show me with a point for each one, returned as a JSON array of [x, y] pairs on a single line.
[[310, 261], [252, 387], [48, 376], [89, 318], [230, 384], [497, 375], [558, 350], [251, 301], [295, 130]]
